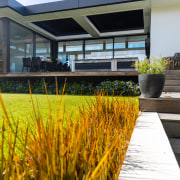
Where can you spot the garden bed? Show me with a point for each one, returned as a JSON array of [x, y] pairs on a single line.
[[125, 88]]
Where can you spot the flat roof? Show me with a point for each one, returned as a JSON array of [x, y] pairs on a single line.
[[81, 19], [57, 5]]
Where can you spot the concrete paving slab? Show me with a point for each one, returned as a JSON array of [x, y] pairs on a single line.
[[149, 155]]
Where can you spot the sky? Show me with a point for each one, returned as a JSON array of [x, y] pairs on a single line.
[[32, 2]]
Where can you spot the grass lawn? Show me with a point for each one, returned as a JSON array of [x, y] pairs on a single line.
[[96, 140], [20, 105]]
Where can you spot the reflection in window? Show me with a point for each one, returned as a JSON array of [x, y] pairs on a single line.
[[42, 47], [140, 44], [135, 47], [119, 43], [70, 51], [21, 45], [131, 53], [99, 49], [119, 46], [94, 47]]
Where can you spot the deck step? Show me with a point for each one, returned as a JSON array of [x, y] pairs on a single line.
[[172, 83], [169, 117], [171, 124], [172, 77], [172, 72], [163, 105], [175, 144], [171, 88]]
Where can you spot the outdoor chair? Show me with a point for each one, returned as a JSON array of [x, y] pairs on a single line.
[[35, 64], [26, 63], [51, 66], [60, 66]]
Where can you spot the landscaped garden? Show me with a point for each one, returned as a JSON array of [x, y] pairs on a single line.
[[117, 87], [66, 136]]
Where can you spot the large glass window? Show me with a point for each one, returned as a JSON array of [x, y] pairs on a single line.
[[70, 51], [136, 41], [43, 49], [1, 47], [21, 45], [133, 46], [99, 49]]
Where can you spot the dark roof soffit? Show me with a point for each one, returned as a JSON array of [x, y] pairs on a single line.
[[61, 27], [119, 21]]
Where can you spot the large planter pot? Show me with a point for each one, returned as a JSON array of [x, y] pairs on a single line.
[[151, 85]]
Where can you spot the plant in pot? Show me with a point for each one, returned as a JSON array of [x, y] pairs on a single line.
[[151, 77]]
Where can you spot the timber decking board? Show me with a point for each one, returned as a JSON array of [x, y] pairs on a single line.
[[171, 88], [172, 77], [172, 82], [69, 74], [169, 117], [159, 105], [167, 103]]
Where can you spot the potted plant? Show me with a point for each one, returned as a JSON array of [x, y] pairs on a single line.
[[151, 77]]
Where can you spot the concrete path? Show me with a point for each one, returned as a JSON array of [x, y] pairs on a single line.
[[149, 154]]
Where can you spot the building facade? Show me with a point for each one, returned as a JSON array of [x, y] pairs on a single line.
[[104, 33]]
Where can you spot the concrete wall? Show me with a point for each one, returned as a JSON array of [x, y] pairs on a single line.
[[165, 30]]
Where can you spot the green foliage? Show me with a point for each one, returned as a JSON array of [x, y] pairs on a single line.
[[90, 146], [151, 66], [128, 88]]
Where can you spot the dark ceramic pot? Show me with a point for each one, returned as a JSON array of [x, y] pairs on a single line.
[[151, 85]]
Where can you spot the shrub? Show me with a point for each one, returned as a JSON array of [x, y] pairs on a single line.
[[152, 65], [128, 88], [91, 146]]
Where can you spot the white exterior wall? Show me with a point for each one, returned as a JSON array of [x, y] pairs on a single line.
[[165, 30]]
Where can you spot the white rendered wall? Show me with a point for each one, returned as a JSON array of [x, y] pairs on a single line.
[[165, 31]]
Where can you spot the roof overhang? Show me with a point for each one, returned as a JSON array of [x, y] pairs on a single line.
[[27, 16]]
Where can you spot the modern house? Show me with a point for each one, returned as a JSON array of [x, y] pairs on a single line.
[[88, 35]]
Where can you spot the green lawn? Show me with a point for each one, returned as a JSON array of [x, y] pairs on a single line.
[[21, 108], [20, 105]]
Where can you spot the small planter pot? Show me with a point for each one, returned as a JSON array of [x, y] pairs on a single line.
[[151, 85]]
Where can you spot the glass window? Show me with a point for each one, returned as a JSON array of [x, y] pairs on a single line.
[[21, 45], [70, 51], [131, 53], [1, 47], [43, 48], [135, 47], [99, 49], [136, 41], [74, 46], [140, 44], [119, 43]]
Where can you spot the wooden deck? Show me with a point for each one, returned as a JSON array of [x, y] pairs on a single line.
[[69, 74], [167, 103]]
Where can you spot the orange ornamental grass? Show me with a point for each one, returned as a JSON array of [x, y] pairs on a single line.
[[90, 146]]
